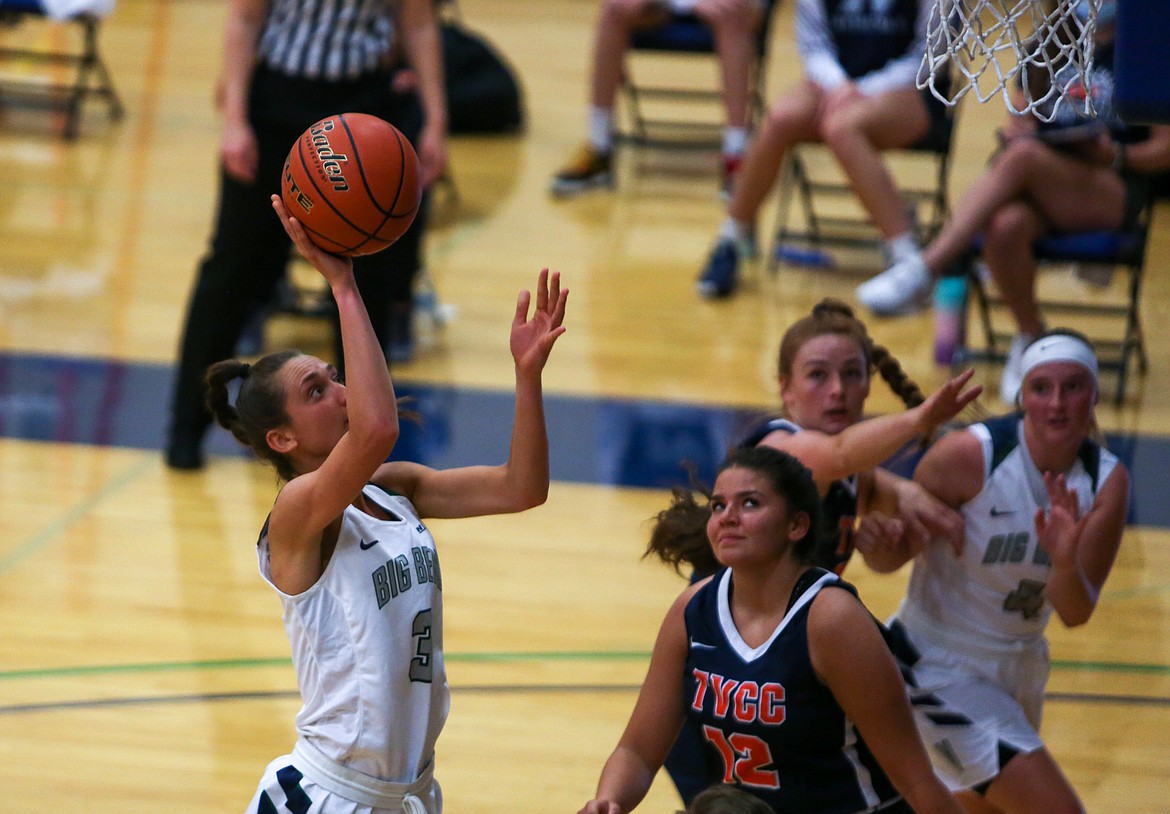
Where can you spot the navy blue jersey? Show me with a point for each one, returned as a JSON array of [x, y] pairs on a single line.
[[868, 34], [768, 723], [838, 507]]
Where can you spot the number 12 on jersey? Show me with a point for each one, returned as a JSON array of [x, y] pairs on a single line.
[[745, 758]]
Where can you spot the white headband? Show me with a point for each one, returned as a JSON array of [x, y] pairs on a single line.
[[1059, 348]]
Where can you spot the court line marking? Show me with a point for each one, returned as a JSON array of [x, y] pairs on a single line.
[[281, 695], [75, 513], [482, 657]]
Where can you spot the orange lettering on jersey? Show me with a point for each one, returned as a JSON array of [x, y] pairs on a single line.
[[700, 690], [722, 687], [772, 704], [745, 701]]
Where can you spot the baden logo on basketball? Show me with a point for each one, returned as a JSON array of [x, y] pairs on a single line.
[[329, 164]]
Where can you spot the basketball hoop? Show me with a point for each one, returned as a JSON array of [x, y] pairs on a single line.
[[1014, 48]]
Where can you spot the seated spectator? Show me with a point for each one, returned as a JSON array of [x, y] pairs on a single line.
[[858, 97], [1077, 175], [735, 25]]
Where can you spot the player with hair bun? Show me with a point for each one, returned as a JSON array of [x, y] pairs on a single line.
[[346, 549], [826, 364]]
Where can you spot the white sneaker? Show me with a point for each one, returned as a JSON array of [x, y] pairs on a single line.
[[903, 288], [1013, 369]]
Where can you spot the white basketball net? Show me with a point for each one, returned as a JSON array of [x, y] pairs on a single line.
[[1015, 48]]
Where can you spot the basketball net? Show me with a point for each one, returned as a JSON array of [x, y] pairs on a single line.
[[1014, 48]]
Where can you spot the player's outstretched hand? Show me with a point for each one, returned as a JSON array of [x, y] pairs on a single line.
[[949, 400], [533, 338], [1058, 530], [331, 266]]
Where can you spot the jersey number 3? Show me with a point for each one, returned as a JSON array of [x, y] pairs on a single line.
[[420, 665], [744, 758]]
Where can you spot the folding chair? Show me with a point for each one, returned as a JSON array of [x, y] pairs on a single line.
[[89, 75], [831, 215], [1117, 348], [686, 36]]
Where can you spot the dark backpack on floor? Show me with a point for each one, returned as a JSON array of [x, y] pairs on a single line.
[[483, 95]]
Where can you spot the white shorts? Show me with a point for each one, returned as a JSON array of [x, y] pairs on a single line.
[[301, 784], [974, 707]]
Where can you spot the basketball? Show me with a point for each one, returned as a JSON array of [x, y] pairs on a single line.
[[352, 180]]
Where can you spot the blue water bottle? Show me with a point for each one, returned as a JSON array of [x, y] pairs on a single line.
[[950, 319]]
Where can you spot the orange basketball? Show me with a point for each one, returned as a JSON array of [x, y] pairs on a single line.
[[352, 182]]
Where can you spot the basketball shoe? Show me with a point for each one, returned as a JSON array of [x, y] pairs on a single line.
[[587, 169], [721, 274], [903, 288]]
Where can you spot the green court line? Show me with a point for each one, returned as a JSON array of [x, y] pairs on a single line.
[[237, 664], [563, 655], [74, 514]]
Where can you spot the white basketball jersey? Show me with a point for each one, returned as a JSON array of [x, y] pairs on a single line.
[[994, 593], [367, 644]]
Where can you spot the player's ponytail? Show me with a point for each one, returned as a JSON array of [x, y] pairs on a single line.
[[259, 404]]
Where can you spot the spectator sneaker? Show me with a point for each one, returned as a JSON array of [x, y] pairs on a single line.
[[903, 288], [1013, 369], [721, 273], [588, 169]]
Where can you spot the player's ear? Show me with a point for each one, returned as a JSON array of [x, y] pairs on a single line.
[[281, 440], [800, 522]]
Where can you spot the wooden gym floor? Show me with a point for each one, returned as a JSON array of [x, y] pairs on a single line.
[[142, 662]]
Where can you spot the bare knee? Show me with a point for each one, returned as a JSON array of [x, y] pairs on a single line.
[[1013, 224], [743, 15], [841, 128], [785, 123], [1021, 156]]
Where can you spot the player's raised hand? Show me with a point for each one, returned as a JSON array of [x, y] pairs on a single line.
[[533, 337]]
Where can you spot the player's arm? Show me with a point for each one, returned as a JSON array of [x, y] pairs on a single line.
[[654, 724], [1083, 549], [852, 659], [952, 469], [949, 474], [310, 502], [924, 517], [522, 481], [868, 443]]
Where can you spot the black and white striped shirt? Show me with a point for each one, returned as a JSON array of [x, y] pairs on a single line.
[[327, 39]]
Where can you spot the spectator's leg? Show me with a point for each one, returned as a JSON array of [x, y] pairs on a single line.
[[791, 120], [1007, 252], [859, 132]]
